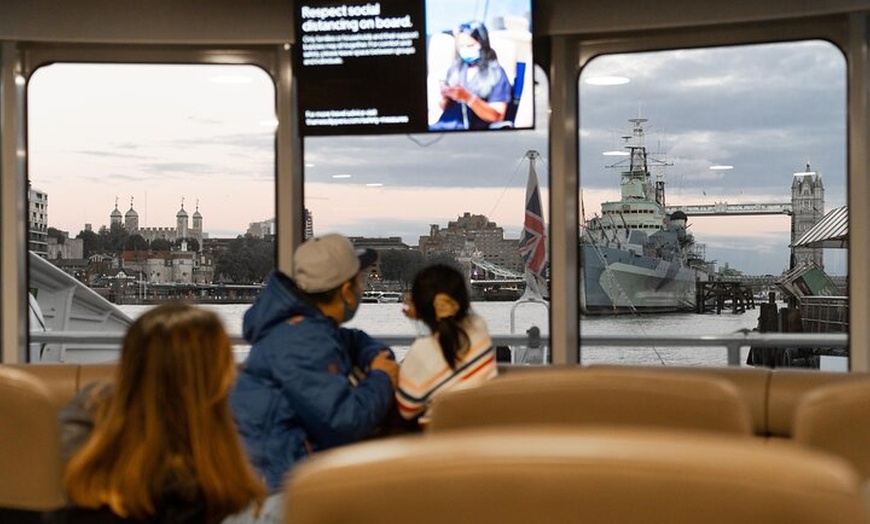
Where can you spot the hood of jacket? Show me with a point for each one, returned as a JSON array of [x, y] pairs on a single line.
[[278, 301]]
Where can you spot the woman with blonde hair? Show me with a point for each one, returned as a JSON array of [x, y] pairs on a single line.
[[160, 445]]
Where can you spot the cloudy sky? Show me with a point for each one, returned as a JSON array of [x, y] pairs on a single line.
[[158, 134]]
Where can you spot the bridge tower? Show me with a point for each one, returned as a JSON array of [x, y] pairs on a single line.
[[808, 207]]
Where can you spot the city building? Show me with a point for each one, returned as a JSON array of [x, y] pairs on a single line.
[[164, 267], [473, 236], [266, 228], [67, 249], [37, 222]]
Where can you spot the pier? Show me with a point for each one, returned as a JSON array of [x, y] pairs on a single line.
[[719, 295]]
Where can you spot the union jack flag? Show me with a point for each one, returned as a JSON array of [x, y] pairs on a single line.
[[533, 241]]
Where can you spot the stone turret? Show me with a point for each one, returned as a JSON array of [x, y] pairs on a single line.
[[808, 207], [131, 219]]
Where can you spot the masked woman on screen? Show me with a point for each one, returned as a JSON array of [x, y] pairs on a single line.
[[476, 90]]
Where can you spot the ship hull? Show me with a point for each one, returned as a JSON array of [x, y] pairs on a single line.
[[615, 281]]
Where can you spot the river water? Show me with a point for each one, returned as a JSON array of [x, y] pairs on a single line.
[[387, 319]]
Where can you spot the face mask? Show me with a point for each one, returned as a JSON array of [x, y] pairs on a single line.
[[348, 310], [469, 55]]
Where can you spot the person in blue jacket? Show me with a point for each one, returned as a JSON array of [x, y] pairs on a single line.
[[309, 384], [476, 90]]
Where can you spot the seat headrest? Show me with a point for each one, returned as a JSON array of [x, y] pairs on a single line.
[[835, 418], [30, 462], [522, 475], [597, 396]]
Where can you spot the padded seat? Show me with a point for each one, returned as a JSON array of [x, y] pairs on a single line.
[[30, 462], [521, 475], [836, 418], [789, 388], [64, 381], [611, 397]]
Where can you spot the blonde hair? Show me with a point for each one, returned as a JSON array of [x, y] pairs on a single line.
[[167, 428]]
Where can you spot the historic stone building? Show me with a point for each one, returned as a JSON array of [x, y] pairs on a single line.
[[182, 266], [473, 236], [182, 229], [808, 207]]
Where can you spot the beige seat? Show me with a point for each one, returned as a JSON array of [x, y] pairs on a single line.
[[789, 388], [620, 397], [60, 379], [30, 462], [64, 381], [562, 475], [752, 383], [836, 418]]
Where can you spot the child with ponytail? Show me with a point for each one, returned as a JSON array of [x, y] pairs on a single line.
[[458, 353]]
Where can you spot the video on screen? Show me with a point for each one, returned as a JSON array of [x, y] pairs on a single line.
[[399, 66]]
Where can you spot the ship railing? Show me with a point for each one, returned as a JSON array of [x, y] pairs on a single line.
[[732, 344], [825, 314]]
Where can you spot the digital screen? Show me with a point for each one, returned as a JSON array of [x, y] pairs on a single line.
[[413, 66]]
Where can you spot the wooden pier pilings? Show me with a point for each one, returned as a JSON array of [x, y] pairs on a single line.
[[718, 295]]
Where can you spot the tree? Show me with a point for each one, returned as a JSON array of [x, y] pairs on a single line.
[[114, 238], [400, 265], [160, 244], [135, 243], [58, 234], [192, 243], [90, 242], [448, 259], [247, 260]]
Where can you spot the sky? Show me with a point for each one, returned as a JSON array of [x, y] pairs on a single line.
[[159, 134]]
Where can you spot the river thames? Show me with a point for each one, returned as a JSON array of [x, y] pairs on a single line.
[[387, 319]]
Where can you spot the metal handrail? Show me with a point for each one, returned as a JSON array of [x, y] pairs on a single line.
[[731, 342]]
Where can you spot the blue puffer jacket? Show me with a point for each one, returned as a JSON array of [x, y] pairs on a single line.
[[296, 393]]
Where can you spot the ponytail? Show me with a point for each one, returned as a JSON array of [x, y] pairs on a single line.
[[440, 298], [452, 339]]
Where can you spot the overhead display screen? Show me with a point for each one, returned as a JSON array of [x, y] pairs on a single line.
[[413, 66]]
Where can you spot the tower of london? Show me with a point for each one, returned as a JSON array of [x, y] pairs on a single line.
[[183, 228]]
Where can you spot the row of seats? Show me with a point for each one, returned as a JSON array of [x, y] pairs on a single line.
[[609, 444], [825, 410], [771, 394], [564, 475]]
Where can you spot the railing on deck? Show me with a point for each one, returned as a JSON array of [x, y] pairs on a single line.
[[825, 314], [731, 343]]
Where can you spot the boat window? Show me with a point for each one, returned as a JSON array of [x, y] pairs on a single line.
[[744, 149], [152, 182], [457, 198]]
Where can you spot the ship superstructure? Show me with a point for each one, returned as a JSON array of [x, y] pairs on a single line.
[[635, 257]]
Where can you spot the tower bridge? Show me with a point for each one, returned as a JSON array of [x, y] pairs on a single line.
[[485, 273], [726, 209]]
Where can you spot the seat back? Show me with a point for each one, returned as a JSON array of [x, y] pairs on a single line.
[[789, 387], [613, 397], [64, 381], [520, 475], [836, 419], [30, 458]]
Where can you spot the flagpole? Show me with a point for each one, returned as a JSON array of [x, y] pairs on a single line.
[[533, 241]]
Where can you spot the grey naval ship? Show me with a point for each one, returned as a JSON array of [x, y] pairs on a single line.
[[636, 257]]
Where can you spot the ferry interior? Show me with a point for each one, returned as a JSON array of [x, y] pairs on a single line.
[[569, 439]]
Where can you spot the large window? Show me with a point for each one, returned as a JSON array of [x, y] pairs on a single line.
[[707, 164], [420, 199], [150, 182]]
